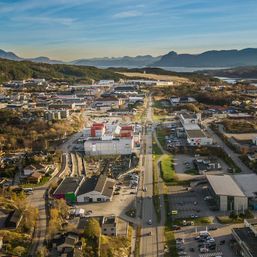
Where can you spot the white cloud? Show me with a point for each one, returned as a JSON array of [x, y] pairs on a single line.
[[46, 20], [127, 14]]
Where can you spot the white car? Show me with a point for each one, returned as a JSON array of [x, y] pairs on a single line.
[[149, 222], [204, 250]]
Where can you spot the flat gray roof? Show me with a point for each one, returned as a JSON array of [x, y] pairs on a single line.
[[195, 133], [248, 184], [224, 185]]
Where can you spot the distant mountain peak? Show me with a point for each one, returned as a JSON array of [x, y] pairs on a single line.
[[212, 58], [9, 55]]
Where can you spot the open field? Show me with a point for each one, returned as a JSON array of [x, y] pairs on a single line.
[[155, 76], [243, 136]]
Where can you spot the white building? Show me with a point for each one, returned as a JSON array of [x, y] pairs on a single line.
[[181, 100], [190, 118], [106, 82], [227, 194], [96, 189], [195, 135], [115, 146], [110, 139], [255, 140], [134, 99]]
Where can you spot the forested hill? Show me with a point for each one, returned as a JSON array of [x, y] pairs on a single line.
[[16, 70], [240, 72]]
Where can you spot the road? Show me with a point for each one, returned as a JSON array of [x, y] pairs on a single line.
[[37, 200], [234, 156], [150, 245]]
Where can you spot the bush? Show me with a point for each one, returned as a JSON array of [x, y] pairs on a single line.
[[233, 215]]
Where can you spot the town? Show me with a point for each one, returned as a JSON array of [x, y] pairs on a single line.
[[129, 167]]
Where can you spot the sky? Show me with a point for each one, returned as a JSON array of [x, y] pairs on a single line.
[[75, 29]]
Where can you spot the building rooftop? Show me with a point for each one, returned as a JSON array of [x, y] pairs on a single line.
[[189, 115], [88, 185], [195, 133], [224, 185], [109, 220], [247, 183], [191, 126], [68, 185], [101, 184]]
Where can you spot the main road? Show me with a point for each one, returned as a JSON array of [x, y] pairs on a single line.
[[151, 243]]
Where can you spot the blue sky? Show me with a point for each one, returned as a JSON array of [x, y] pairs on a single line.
[[73, 29]]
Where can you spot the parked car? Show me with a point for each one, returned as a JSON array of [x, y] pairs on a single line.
[[176, 227], [222, 242], [204, 250]]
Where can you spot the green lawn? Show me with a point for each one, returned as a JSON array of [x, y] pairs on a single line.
[[156, 200], [171, 243], [167, 168], [161, 133], [43, 181], [228, 220], [197, 221]]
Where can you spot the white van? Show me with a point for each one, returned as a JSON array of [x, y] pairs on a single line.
[[28, 190], [204, 233]]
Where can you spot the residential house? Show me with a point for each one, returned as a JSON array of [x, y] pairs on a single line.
[[175, 101], [13, 220], [114, 226], [28, 170], [64, 242], [35, 177]]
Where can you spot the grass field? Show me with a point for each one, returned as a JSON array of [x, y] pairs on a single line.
[[154, 76], [167, 168], [156, 200]]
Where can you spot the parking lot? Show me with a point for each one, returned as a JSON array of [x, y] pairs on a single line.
[[188, 203], [123, 200], [219, 238]]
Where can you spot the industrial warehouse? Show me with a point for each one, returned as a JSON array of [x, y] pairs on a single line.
[[234, 192], [105, 139]]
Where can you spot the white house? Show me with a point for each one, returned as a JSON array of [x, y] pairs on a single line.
[[255, 140], [96, 189], [28, 170]]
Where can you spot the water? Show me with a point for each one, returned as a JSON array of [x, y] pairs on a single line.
[[191, 69], [228, 80]]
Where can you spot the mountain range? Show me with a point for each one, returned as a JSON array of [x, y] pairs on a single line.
[[13, 57], [222, 58], [125, 61], [213, 58]]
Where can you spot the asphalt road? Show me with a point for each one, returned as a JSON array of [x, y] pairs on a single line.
[[150, 245], [38, 200]]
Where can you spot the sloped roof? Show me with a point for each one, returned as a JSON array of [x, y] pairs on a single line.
[[248, 183], [224, 185]]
